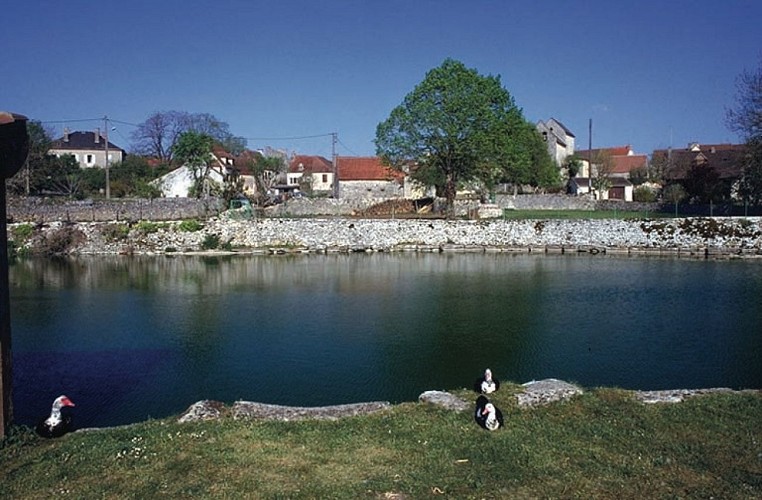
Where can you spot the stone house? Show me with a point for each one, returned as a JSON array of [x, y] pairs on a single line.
[[558, 138], [89, 149], [368, 177]]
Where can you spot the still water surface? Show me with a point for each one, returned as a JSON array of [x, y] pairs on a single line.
[[131, 338]]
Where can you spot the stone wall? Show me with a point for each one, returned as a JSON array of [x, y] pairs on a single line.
[[34, 209], [545, 202], [699, 237], [51, 209]]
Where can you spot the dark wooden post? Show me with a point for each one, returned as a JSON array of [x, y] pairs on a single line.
[[14, 146]]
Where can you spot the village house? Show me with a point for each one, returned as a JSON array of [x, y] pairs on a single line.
[[178, 182], [313, 174], [558, 138], [368, 176], [89, 149], [723, 160], [616, 164]]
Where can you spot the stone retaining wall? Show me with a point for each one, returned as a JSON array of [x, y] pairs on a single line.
[[699, 237], [42, 210]]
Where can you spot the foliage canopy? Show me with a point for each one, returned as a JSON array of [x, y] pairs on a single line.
[[458, 126]]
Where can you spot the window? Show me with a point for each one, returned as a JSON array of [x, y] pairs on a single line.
[[89, 159], [325, 178]]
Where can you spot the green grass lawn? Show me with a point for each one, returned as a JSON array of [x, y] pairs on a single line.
[[602, 444]]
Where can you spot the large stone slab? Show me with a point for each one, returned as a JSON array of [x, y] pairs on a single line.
[[542, 392], [445, 400], [251, 410]]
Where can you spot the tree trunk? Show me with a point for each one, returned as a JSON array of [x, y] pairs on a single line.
[[449, 192]]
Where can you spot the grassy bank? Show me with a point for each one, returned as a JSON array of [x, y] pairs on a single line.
[[602, 444]]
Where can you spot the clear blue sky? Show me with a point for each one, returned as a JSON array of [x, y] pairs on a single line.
[[648, 73]]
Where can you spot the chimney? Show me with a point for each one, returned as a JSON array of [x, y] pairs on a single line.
[[97, 135], [66, 134]]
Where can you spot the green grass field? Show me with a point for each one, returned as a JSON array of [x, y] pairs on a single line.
[[602, 444]]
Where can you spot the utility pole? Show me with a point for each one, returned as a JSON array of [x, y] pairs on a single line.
[[590, 156], [108, 181], [334, 159]]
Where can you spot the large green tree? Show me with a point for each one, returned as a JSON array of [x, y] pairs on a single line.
[[194, 151], [457, 127]]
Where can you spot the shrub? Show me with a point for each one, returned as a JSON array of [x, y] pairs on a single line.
[[115, 232], [61, 241], [147, 227], [211, 241], [22, 232], [190, 226], [643, 194]]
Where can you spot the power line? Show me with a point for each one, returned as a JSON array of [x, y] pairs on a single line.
[[124, 123], [73, 121], [295, 138], [346, 147]]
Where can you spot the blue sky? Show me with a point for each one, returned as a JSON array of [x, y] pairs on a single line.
[[648, 73]]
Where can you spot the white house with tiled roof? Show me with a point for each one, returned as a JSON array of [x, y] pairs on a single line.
[[315, 171]]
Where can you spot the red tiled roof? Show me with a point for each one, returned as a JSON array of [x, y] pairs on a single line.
[[615, 151], [626, 164], [245, 160], [726, 159], [310, 164], [365, 168]]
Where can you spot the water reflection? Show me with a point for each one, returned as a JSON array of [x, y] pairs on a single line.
[[129, 338]]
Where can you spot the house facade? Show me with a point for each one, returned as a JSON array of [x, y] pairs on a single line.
[[310, 173], [558, 138], [615, 163], [725, 159], [367, 176], [178, 182], [620, 188], [89, 149], [721, 164]]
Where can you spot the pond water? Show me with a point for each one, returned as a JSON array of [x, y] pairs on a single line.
[[132, 338]]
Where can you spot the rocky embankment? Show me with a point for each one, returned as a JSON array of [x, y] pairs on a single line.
[[531, 394], [696, 237]]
